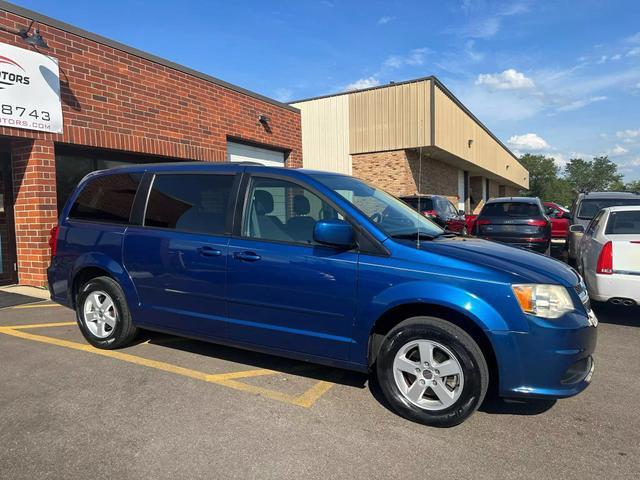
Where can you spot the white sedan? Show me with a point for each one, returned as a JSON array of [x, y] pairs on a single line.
[[609, 255]]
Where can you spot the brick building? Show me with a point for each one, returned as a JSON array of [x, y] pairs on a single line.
[[119, 105], [409, 137]]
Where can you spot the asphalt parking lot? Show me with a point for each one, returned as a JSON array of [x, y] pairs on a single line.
[[172, 408]]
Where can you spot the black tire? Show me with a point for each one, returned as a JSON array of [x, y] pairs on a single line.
[[124, 331], [470, 357]]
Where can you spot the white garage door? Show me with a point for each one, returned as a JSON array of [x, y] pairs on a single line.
[[237, 152]]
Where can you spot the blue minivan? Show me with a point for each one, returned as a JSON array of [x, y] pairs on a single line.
[[324, 268]]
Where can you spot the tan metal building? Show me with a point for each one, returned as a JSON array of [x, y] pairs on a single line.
[[409, 137]]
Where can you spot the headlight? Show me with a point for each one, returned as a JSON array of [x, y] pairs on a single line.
[[546, 301]]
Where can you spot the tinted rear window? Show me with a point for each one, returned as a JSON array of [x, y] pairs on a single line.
[[588, 208], [107, 198], [190, 203], [420, 204], [511, 209], [623, 222]]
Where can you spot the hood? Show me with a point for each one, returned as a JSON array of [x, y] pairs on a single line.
[[528, 267]]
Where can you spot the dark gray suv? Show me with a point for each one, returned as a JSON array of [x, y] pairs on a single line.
[[585, 207]]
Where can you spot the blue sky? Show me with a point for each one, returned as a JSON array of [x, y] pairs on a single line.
[[554, 77]]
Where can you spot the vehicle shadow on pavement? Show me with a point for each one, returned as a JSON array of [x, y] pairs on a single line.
[[251, 359], [617, 314]]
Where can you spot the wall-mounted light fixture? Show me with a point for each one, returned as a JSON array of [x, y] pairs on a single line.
[[263, 119], [34, 39], [470, 142]]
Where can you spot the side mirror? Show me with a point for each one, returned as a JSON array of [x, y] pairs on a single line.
[[461, 212], [335, 232], [576, 229]]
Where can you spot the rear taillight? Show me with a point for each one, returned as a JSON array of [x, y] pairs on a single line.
[[430, 213], [605, 260], [538, 223], [482, 222], [53, 240]]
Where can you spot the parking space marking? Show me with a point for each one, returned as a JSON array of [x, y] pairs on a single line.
[[229, 379], [37, 305], [40, 325]]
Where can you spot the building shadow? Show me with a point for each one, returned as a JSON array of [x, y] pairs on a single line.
[[617, 314]]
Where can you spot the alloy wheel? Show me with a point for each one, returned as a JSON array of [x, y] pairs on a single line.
[[428, 375]]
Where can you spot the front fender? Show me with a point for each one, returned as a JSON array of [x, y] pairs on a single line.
[[428, 292]]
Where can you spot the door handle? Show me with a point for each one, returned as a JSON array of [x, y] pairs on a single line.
[[247, 256], [209, 252]]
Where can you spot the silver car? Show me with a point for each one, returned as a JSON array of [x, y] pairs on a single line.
[[586, 206], [609, 256]]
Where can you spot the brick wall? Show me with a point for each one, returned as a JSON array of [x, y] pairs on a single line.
[[34, 178], [399, 173], [116, 100]]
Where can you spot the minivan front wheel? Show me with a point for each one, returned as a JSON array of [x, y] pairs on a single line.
[[103, 315], [432, 371]]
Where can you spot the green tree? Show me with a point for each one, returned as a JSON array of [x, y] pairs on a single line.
[[544, 179], [599, 174], [633, 186], [542, 172]]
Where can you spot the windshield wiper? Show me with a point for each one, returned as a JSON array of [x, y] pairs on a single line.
[[414, 236]]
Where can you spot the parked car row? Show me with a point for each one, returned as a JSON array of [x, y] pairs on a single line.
[[601, 233]]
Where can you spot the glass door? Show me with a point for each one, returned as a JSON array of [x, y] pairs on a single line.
[[7, 231]]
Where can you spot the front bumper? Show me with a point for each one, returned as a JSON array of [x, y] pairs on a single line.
[[554, 359]]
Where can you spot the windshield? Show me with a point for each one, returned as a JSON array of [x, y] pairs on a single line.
[[392, 216], [589, 208], [420, 204]]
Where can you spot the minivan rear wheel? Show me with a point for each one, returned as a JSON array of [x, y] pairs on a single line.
[[432, 371], [103, 315]]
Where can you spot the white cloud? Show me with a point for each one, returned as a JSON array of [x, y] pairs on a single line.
[[384, 20], [414, 58], [361, 83], [618, 150], [510, 79], [577, 104], [634, 52], [628, 134], [617, 56], [283, 94], [481, 23], [528, 142]]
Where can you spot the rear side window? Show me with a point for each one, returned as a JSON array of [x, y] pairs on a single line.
[[623, 223], [511, 209], [107, 198], [190, 203]]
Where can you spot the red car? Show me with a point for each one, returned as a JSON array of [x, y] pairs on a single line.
[[440, 210], [560, 220]]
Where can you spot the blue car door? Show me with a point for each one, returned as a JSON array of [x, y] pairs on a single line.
[[285, 291], [178, 258]]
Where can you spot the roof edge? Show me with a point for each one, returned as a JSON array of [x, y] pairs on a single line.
[[52, 22], [438, 83]]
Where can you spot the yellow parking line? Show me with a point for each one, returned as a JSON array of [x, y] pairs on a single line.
[[39, 325], [306, 400], [38, 305]]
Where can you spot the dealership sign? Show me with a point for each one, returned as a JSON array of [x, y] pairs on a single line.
[[29, 90]]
